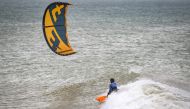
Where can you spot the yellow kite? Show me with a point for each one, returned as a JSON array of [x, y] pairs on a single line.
[[54, 28]]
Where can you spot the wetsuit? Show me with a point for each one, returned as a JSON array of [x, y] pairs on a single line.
[[112, 87]]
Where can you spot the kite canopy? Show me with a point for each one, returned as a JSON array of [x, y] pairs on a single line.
[[54, 28]]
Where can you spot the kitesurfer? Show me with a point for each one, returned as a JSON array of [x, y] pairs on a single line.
[[112, 86]]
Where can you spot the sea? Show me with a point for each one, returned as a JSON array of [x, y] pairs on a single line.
[[143, 44]]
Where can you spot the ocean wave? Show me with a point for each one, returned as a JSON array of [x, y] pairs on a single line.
[[148, 94]]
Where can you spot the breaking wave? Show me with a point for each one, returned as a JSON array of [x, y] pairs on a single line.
[[147, 94]]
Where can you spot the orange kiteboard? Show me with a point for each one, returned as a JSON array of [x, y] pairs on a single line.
[[101, 99]]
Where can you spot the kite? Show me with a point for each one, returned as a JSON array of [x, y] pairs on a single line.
[[55, 28]]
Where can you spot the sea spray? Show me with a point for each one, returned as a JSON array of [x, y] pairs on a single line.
[[147, 94]]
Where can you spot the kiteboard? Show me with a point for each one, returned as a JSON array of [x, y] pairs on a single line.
[[101, 99]]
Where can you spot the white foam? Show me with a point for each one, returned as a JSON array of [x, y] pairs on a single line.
[[147, 94]]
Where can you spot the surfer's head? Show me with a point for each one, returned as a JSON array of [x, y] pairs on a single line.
[[112, 80]]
